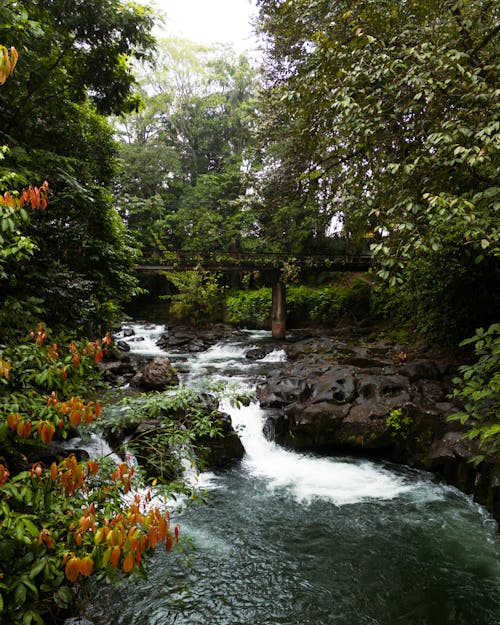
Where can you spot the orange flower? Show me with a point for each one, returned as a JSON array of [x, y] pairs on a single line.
[[44, 537], [46, 431], [169, 542], [12, 420], [115, 556], [85, 565], [23, 428]]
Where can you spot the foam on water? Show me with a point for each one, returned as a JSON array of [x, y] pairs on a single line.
[[143, 342], [277, 355], [94, 445], [307, 476]]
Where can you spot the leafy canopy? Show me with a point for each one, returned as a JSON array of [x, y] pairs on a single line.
[[387, 113]]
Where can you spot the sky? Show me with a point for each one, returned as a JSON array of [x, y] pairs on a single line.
[[209, 21]]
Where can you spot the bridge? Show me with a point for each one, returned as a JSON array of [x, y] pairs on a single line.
[[251, 261], [270, 263]]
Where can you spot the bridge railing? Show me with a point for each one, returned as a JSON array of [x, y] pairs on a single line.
[[181, 260]]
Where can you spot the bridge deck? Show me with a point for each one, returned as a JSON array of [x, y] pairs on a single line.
[[260, 262]]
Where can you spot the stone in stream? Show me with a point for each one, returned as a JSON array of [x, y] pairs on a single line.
[[157, 375], [363, 399]]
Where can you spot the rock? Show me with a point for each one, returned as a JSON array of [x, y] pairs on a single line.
[[157, 375], [191, 339], [55, 452], [282, 391], [378, 395], [222, 451], [314, 427], [419, 369], [337, 385], [259, 352], [123, 368]]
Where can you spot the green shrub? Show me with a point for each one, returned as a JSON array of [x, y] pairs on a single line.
[[305, 304], [250, 308], [199, 299], [61, 521], [399, 422], [479, 388]]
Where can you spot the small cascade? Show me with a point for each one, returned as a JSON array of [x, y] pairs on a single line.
[[142, 338], [287, 537]]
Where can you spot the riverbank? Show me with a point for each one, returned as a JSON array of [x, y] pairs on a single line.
[[357, 392], [333, 537]]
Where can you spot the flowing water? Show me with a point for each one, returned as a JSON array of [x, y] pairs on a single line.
[[296, 539]]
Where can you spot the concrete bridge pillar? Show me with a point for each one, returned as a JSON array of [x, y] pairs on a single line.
[[278, 317]]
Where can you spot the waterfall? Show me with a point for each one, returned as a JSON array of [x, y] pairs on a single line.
[[289, 538]]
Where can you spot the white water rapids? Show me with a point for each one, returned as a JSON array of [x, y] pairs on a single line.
[[298, 539], [306, 476]]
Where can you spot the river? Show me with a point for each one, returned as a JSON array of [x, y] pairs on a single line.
[[296, 539]]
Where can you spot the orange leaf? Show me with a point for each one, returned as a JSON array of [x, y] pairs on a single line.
[[128, 562], [115, 556], [86, 564], [169, 543], [13, 420], [71, 569]]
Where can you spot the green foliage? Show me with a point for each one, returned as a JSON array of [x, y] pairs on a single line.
[[478, 387], [445, 293], [72, 71], [304, 304], [181, 171], [251, 308], [399, 422], [387, 112], [199, 298], [69, 520], [176, 423]]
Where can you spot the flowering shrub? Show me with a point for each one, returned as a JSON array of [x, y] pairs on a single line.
[[69, 520]]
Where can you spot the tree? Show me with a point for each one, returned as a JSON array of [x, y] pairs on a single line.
[[73, 70], [388, 112], [70, 520], [182, 155]]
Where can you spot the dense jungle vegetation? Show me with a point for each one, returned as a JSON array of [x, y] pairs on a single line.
[[378, 120]]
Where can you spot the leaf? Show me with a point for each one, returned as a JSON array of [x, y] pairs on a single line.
[[19, 596], [32, 617], [30, 586], [64, 597], [35, 570], [31, 528]]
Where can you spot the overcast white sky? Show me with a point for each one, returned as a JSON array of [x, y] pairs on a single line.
[[209, 21]]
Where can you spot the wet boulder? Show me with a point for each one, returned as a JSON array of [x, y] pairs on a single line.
[[282, 390], [314, 426], [221, 451], [378, 395], [337, 385], [157, 375]]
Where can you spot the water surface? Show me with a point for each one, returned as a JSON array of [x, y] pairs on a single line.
[[297, 539]]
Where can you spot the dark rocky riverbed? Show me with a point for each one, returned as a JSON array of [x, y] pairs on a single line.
[[349, 393]]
